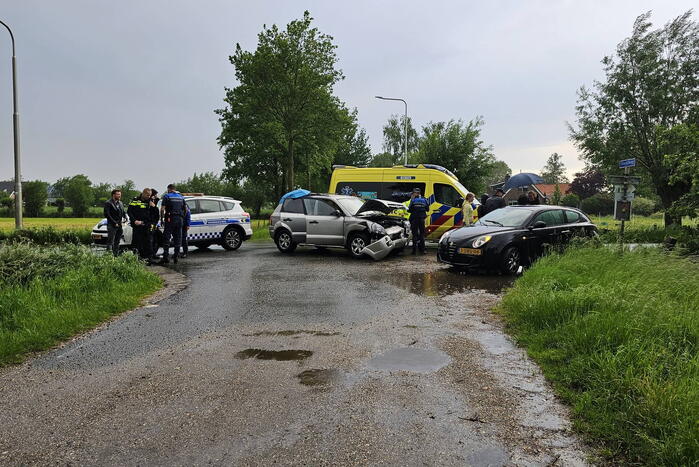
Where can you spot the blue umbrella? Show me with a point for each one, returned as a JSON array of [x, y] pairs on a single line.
[[295, 194], [523, 179]]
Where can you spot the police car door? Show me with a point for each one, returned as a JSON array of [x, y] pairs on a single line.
[[213, 221]]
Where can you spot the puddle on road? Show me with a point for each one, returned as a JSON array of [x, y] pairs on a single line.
[[410, 359], [279, 355], [319, 377], [443, 282], [489, 457], [291, 333]]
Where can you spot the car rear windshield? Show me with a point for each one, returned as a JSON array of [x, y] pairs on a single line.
[[350, 205], [506, 217]]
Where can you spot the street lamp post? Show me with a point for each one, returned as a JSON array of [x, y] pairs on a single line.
[[15, 126], [405, 122]]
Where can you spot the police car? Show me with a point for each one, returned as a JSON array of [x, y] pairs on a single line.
[[215, 220]]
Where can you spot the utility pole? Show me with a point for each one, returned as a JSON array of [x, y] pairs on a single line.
[[405, 123], [15, 126]]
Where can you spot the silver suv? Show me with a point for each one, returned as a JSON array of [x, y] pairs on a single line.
[[374, 227]]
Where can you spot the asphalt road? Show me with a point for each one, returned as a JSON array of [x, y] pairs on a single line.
[[309, 359]]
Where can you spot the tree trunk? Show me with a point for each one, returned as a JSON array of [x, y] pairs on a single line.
[[668, 195], [290, 182]]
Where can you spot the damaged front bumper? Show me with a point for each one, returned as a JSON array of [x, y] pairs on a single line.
[[379, 249]]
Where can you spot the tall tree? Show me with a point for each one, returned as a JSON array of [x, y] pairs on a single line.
[[498, 172], [394, 139], [458, 147], [128, 190], [35, 196], [555, 170], [681, 144], [283, 111], [588, 182], [651, 86], [78, 193]]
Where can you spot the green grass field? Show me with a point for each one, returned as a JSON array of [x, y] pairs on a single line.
[[638, 222], [618, 335], [59, 223]]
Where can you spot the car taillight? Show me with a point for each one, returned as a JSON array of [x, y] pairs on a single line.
[[246, 214]]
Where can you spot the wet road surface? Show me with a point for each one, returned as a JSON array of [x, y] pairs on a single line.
[[312, 358]]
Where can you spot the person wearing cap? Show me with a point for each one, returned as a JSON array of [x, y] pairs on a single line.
[[418, 208], [495, 202]]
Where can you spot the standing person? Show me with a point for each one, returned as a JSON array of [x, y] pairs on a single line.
[[172, 216], [155, 217], [467, 209], [495, 202], [115, 214], [418, 208], [185, 229], [141, 217], [533, 198], [481, 209]]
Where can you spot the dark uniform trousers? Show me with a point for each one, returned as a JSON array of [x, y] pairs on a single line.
[[114, 238], [172, 235], [142, 240], [417, 226]]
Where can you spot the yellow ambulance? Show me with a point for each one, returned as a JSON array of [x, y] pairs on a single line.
[[438, 185]]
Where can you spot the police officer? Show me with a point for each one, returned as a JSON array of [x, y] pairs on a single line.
[[418, 208], [155, 234], [141, 217], [172, 214], [185, 228]]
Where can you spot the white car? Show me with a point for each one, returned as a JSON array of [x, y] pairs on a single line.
[[215, 220]]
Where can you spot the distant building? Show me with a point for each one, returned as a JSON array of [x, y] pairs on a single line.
[[7, 186], [544, 190]]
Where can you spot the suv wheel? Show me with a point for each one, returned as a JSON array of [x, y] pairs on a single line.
[[231, 239], [285, 242], [510, 261], [356, 243]]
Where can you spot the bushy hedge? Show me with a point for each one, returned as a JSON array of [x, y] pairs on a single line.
[[687, 238], [643, 207], [601, 204], [47, 236]]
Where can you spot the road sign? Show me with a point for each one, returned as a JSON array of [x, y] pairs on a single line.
[[624, 179], [627, 163], [622, 210]]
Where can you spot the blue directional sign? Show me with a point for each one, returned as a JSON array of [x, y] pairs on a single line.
[[627, 163]]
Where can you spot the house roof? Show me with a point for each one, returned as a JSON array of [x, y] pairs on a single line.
[[547, 189], [7, 186]]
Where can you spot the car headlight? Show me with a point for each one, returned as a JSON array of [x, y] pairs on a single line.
[[377, 229], [445, 236], [482, 240], [101, 224]]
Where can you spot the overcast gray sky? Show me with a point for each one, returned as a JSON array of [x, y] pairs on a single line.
[[127, 89]]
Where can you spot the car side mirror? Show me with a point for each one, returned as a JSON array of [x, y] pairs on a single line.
[[337, 213], [459, 202], [539, 225]]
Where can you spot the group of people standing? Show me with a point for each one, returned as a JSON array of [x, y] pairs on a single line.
[[144, 216], [419, 206]]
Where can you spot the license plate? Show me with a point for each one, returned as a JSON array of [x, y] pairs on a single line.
[[96, 236], [469, 251]]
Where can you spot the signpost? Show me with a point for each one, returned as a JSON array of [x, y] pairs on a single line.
[[624, 188]]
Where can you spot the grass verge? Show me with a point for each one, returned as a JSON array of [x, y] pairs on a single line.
[[260, 230], [48, 294], [618, 335], [7, 224]]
